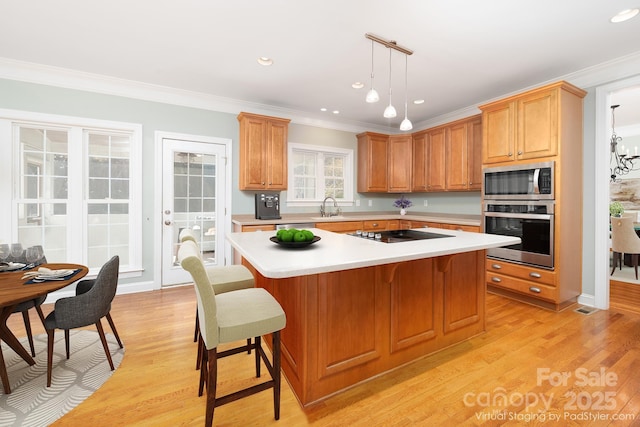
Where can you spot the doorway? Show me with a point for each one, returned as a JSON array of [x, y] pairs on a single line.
[[194, 194], [602, 246]]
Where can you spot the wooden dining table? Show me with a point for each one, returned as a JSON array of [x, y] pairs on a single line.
[[15, 289]]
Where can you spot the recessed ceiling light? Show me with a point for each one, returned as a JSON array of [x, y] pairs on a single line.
[[263, 60], [336, 112], [323, 109], [625, 15], [418, 101], [357, 85]]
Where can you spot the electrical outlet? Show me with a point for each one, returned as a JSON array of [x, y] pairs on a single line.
[[426, 203], [370, 203], [357, 202]]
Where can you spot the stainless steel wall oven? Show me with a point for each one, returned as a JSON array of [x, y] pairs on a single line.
[[531, 221], [519, 201]]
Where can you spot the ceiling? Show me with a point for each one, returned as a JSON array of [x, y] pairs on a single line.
[[466, 52]]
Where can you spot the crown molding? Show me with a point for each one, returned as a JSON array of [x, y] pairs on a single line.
[[606, 72]]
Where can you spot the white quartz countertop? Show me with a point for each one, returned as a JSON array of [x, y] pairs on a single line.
[[336, 252]]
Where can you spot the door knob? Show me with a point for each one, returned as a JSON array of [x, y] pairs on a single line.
[[167, 222]]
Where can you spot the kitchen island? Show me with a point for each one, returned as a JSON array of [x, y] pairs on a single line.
[[357, 308]]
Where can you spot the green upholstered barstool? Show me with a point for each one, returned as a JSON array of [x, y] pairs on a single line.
[[223, 279], [229, 317]]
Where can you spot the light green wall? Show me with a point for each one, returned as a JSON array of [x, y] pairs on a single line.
[[155, 116]]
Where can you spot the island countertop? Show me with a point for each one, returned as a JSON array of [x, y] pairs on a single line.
[[337, 252]]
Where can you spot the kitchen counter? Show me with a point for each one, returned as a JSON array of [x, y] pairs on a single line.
[[358, 308], [459, 219], [335, 252]]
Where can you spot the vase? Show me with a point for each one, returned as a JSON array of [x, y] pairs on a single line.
[[403, 211]]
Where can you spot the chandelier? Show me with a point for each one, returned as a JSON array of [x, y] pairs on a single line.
[[624, 160], [372, 95]]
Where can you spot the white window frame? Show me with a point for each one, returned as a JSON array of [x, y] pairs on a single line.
[[10, 167], [349, 170]]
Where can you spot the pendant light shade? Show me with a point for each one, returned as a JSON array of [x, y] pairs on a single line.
[[372, 95], [390, 111], [406, 123]]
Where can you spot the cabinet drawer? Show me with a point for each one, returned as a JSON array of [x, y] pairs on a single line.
[[270, 227], [531, 274], [538, 290], [374, 225], [340, 227]]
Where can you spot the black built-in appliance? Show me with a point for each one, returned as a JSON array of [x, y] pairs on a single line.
[[519, 201], [397, 236], [267, 205]]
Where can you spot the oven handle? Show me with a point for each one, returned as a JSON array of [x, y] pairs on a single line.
[[523, 216]]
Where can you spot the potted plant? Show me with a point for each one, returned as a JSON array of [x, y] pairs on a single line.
[[616, 209], [403, 204]]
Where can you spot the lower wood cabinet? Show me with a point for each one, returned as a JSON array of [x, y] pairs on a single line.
[[340, 226], [525, 283], [348, 326]]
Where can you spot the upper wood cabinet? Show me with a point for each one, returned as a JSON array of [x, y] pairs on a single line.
[[372, 162], [399, 164], [525, 126], [429, 154], [263, 152], [449, 157], [464, 155]]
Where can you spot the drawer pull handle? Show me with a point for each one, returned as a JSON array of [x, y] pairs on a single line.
[[535, 275], [534, 289], [496, 266], [375, 224], [496, 279]]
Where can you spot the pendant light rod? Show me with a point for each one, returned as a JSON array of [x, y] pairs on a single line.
[[391, 44]]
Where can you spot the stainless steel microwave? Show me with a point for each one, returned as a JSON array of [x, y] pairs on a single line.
[[533, 181]]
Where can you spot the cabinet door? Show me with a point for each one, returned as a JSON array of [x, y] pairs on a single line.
[[372, 162], [399, 168], [474, 153], [341, 226], [419, 175], [436, 148], [538, 125], [498, 133], [277, 155], [456, 157], [252, 153]]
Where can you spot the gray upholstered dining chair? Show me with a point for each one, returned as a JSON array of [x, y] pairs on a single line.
[[25, 306], [624, 240], [223, 279], [92, 303], [228, 317]]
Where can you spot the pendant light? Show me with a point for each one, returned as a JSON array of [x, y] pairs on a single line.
[[390, 111], [372, 95], [406, 123]]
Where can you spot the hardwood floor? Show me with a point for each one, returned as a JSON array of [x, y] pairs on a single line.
[[474, 383]]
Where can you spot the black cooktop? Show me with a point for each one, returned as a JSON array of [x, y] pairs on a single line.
[[396, 236]]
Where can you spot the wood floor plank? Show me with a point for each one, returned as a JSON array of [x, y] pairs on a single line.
[[156, 384]]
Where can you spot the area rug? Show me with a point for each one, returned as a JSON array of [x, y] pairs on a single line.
[[31, 402]]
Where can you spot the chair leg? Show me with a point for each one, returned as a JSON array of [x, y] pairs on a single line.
[[203, 366], [616, 256], [634, 261], [66, 342], [277, 379], [196, 331], [27, 327], [104, 343], [50, 335], [212, 379], [3, 375], [200, 355], [258, 341], [113, 329]]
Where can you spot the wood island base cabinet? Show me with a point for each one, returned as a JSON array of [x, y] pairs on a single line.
[[349, 326]]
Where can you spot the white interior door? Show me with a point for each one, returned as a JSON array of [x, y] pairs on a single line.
[[193, 186]]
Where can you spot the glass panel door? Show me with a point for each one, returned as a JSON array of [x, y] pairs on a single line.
[[193, 197]]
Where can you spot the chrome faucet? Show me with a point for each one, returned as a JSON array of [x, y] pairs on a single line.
[[323, 209]]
